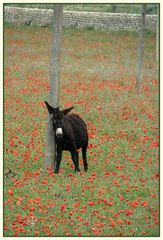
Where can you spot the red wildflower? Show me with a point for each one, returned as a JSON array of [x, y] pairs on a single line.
[[112, 224], [63, 207], [5, 228], [77, 204], [79, 234], [129, 212], [44, 181], [91, 203], [144, 204], [71, 213], [70, 175], [128, 222], [36, 233], [157, 222], [90, 135], [95, 231], [116, 183], [155, 144], [134, 204], [21, 230], [10, 192], [15, 153], [36, 174], [19, 198], [114, 173], [121, 198], [119, 221]]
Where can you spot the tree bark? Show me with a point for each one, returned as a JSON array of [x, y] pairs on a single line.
[[50, 151], [140, 57]]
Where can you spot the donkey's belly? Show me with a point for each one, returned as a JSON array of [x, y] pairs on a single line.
[[69, 147]]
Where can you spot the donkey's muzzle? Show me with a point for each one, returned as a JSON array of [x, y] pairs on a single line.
[[59, 133]]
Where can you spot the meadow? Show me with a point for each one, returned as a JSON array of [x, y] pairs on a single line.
[[119, 195]]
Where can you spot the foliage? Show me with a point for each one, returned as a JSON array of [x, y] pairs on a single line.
[[119, 195], [126, 8]]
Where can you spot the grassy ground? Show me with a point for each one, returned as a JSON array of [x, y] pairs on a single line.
[[119, 195]]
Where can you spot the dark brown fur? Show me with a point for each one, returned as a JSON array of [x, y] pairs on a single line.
[[74, 136]]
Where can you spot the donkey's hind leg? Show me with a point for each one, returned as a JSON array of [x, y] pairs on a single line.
[[84, 153], [75, 159]]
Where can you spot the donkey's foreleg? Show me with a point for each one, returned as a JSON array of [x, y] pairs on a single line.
[[58, 160]]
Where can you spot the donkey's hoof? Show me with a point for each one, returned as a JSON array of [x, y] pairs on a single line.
[[86, 169]]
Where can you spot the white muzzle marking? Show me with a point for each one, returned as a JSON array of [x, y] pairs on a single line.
[[59, 132]]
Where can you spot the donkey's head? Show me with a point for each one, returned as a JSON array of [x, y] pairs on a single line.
[[58, 118]]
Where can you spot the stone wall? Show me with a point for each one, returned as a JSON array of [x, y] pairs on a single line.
[[92, 20]]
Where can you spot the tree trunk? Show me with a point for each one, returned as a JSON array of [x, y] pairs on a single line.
[[140, 57], [113, 7], [50, 152]]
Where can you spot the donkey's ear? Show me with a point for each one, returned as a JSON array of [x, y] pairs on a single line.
[[65, 111], [50, 108]]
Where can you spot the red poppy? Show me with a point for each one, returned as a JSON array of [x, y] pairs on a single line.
[[10, 192], [91, 203], [129, 212], [144, 204]]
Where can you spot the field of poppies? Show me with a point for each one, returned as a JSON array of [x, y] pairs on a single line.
[[119, 195]]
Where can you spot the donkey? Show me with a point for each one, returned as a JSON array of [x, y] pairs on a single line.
[[70, 133]]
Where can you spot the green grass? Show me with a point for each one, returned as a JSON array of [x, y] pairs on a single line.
[[119, 195]]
